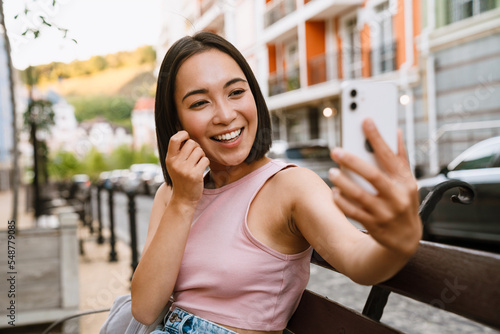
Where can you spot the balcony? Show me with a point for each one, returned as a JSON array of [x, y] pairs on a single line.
[[281, 83], [277, 10], [383, 59]]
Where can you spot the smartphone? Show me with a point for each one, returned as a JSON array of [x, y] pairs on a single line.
[[362, 99]]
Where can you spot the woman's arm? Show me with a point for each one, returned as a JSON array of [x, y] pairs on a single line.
[[173, 209], [390, 217]]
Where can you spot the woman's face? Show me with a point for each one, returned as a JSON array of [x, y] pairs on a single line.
[[216, 107]]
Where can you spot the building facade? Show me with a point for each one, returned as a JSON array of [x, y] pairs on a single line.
[[458, 102], [438, 53], [6, 121], [143, 124]]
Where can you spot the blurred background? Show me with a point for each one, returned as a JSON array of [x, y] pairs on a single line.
[[78, 77]]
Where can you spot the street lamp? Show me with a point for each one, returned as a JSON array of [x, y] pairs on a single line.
[[329, 112]]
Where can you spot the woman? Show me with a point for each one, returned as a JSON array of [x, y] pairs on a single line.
[[233, 245]]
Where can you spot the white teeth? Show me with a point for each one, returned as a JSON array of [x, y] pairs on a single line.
[[228, 136]]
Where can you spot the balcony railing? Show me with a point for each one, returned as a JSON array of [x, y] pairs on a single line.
[[281, 83], [317, 71], [383, 59], [325, 67], [277, 10]]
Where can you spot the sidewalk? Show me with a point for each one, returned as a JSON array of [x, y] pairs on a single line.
[[100, 281]]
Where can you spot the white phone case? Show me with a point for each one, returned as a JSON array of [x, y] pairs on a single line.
[[362, 99]]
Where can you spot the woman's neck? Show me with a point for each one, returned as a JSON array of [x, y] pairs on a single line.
[[223, 175]]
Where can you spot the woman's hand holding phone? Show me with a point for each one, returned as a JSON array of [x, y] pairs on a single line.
[[186, 162], [391, 214]]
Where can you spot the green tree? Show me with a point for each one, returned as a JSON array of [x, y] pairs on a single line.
[[146, 155], [97, 64], [122, 157], [113, 108], [94, 163], [63, 165]]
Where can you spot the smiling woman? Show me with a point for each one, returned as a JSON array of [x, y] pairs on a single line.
[[232, 246]]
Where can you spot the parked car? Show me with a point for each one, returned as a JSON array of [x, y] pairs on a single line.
[[314, 155], [80, 187], [480, 221], [140, 176], [117, 178]]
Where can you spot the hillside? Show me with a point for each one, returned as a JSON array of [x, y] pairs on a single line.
[[131, 82]]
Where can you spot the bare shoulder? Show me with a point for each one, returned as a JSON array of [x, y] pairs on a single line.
[[296, 180]]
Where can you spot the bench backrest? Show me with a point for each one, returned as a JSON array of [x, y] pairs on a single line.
[[462, 281]]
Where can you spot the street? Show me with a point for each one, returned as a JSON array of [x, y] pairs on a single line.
[[402, 313]]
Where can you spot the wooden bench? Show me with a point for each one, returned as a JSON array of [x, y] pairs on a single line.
[[458, 280]]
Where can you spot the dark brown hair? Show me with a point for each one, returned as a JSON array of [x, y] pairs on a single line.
[[166, 117]]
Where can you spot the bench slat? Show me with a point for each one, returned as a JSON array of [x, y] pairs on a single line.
[[459, 280], [317, 314]]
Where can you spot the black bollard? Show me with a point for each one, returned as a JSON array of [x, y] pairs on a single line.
[[133, 229], [112, 254], [88, 215], [100, 238]]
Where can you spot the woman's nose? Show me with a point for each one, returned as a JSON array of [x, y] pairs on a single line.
[[224, 114]]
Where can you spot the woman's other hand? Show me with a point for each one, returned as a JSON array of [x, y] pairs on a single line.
[[186, 162], [391, 215]]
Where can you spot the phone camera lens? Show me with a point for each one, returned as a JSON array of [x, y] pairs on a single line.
[[354, 93], [354, 106]]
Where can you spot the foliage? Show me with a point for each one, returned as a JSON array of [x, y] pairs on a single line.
[[113, 108], [145, 155], [40, 113], [39, 18], [94, 163], [57, 70], [122, 157], [63, 165]]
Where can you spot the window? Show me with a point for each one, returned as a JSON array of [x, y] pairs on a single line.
[[352, 49], [383, 55], [462, 9], [480, 157]]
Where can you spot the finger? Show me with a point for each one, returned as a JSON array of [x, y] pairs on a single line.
[[384, 154], [369, 172], [401, 148], [176, 142], [187, 149], [196, 155], [352, 191], [350, 209]]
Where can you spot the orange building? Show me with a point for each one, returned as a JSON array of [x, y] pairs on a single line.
[[302, 50]]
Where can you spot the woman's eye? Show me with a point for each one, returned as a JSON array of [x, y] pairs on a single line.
[[197, 104], [237, 92]]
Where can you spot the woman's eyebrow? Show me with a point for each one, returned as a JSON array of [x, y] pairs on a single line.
[[194, 92], [204, 91], [232, 81]]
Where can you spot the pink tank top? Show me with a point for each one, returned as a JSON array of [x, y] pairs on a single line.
[[228, 276]]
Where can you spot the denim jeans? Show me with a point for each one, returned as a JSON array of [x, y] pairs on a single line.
[[181, 322]]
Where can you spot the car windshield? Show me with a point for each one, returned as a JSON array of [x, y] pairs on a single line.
[[308, 153], [479, 157]]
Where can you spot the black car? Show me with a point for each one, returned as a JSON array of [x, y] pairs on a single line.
[[314, 155], [477, 222]]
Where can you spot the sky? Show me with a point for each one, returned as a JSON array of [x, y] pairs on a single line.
[[100, 27]]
